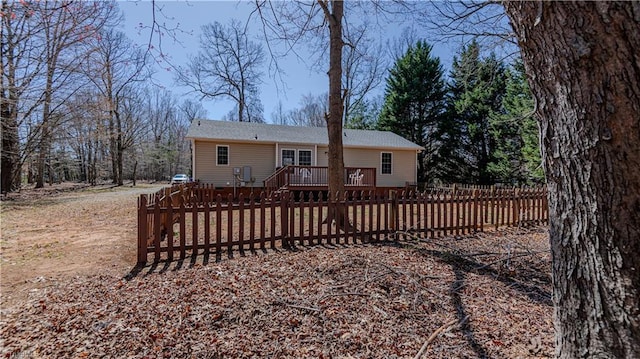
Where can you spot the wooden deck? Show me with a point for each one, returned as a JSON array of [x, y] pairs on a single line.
[[315, 178]]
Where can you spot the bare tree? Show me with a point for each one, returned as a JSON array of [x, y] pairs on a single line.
[[582, 62], [311, 113], [66, 25], [484, 20], [19, 71], [86, 134], [113, 67], [192, 110], [363, 68], [279, 116], [227, 66], [307, 22]]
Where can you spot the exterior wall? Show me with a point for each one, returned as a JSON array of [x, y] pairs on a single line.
[[261, 158], [323, 158], [403, 165]]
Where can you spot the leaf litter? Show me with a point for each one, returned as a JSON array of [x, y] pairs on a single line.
[[486, 295]]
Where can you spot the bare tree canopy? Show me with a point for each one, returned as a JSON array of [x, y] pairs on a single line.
[[72, 98], [227, 65]]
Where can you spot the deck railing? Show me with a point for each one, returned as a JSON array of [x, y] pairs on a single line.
[[295, 177]]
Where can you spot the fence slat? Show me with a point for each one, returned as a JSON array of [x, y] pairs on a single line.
[[252, 221], [218, 224], [311, 222], [169, 229], [183, 234], [156, 230], [241, 222], [229, 223], [142, 229]]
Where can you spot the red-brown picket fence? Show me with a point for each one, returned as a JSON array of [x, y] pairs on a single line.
[[180, 219]]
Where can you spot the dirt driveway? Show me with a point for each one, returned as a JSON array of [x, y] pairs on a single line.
[[62, 231]]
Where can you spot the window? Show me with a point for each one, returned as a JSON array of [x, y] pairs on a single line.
[[385, 163], [222, 157], [304, 157], [288, 157]]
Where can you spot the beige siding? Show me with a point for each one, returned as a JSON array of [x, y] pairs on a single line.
[[261, 158], [404, 168], [403, 165], [323, 158]]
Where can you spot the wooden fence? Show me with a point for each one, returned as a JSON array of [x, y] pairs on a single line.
[[172, 222]]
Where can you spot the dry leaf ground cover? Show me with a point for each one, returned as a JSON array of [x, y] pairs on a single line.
[[486, 295]]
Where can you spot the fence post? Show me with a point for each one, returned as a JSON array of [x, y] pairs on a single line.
[[284, 219], [393, 194], [142, 229], [516, 209]]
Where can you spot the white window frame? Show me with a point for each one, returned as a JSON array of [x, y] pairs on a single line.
[[382, 164], [296, 156], [218, 155], [310, 156], [295, 153]]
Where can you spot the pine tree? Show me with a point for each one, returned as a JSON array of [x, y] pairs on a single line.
[[519, 104], [476, 91], [415, 101], [517, 156], [364, 115]]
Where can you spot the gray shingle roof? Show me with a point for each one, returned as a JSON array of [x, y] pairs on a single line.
[[267, 133]]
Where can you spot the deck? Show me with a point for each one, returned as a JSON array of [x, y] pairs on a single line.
[[315, 178]]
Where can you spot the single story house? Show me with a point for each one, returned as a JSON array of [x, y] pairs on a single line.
[[243, 154]]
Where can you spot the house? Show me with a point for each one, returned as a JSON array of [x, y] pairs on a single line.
[[242, 154]]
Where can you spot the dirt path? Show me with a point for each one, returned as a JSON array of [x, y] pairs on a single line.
[[45, 238]]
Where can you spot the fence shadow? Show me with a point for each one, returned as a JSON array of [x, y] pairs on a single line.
[[200, 259]]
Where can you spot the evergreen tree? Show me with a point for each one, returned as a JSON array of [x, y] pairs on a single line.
[[364, 115], [476, 91], [518, 104], [414, 103], [517, 155]]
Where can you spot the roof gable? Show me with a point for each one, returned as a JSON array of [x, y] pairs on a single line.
[[268, 133]]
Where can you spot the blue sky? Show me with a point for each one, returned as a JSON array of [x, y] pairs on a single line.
[[187, 17]]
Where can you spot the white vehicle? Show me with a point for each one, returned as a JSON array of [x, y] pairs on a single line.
[[180, 178]]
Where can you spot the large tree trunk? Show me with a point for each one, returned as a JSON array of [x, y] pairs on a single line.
[[583, 63], [10, 171], [44, 146], [10, 162], [334, 120]]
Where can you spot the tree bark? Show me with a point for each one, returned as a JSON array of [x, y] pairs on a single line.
[[10, 148], [583, 64], [334, 120]]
